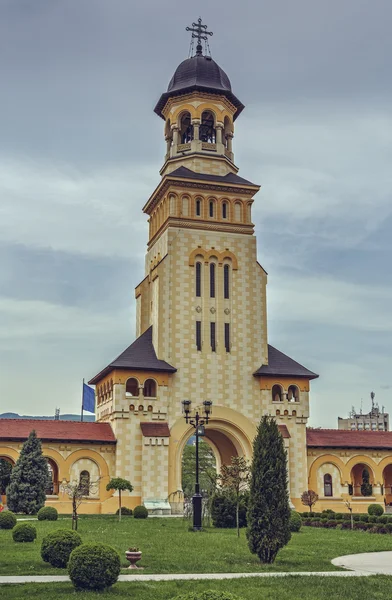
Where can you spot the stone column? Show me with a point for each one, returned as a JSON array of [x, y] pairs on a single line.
[[230, 142], [219, 130], [196, 125]]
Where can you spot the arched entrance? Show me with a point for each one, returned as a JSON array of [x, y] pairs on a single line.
[[228, 433], [362, 480], [6, 466], [387, 480]]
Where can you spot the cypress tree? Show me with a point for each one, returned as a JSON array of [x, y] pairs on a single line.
[[29, 478], [268, 509]]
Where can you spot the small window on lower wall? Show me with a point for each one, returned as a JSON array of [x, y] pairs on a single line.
[[227, 337], [213, 336], [327, 484], [198, 335]]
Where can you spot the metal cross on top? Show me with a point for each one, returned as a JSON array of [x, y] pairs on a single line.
[[200, 32]]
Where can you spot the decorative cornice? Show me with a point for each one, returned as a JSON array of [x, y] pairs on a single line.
[[226, 188], [189, 153], [189, 97], [200, 225]]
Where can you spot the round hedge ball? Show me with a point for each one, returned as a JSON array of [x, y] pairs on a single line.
[[57, 547], [125, 511], [94, 566], [208, 595], [24, 532], [375, 510], [140, 512], [47, 513], [295, 521], [7, 520]]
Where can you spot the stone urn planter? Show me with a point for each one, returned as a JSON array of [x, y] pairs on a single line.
[[133, 555]]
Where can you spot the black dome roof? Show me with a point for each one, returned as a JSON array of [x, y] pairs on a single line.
[[199, 73]]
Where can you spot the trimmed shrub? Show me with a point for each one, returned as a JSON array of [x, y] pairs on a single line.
[[339, 516], [346, 525], [24, 532], [125, 512], [356, 517], [375, 509], [372, 519], [364, 518], [47, 513], [7, 519], [308, 522], [361, 526], [295, 521], [331, 524], [208, 595], [328, 511], [316, 523], [223, 510], [389, 527], [57, 547], [347, 516], [140, 512], [382, 519], [94, 566]]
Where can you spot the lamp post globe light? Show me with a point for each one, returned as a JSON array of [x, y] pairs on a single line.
[[198, 422]]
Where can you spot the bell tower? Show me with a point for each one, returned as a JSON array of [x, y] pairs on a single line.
[[199, 110], [201, 308]]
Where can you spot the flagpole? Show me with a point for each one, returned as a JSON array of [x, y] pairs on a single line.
[[81, 414]]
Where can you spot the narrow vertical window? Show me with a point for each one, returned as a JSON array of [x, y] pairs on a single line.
[[198, 208], [327, 485], [198, 279], [213, 336], [227, 337], [224, 210], [226, 281], [198, 335], [212, 280], [211, 208]]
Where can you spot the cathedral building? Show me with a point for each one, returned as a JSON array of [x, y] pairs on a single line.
[[201, 326]]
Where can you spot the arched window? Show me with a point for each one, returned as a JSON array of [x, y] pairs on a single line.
[[276, 393], [53, 478], [150, 389], [132, 387], [226, 281], [211, 208], [237, 211], [327, 484], [84, 483], [186, 128], [198, 207], [212, 280], [224, 210], [198, 279], [207, 131], [293, 394], [185, 206]]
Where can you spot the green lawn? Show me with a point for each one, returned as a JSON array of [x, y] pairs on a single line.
[[168, 547], [292, 588]]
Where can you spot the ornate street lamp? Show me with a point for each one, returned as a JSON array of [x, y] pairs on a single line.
[[198, 422]]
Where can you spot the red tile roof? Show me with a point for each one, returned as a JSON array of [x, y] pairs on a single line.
[[155, 429], [340, 438], [284, 431], [57, 431]]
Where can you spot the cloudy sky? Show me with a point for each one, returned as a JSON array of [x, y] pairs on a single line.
[[80, 151]]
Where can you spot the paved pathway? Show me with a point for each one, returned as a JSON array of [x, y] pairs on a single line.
[[371, 563], [173, 577]]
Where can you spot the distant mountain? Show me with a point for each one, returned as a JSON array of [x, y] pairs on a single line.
[[9, 415]]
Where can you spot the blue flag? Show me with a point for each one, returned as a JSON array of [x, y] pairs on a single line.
[[88, 398]]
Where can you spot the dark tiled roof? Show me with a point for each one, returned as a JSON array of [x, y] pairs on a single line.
[[283, 365], [138, 356], [155, 429], [199, 73], [284, 431], [185, 173], [340, 438], [59, 431]]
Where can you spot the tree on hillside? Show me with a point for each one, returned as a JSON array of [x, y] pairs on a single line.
[[5, 475], [119, 485], [269, 509], [29, 478], [207, 469], [309, 498], [235, 479]]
